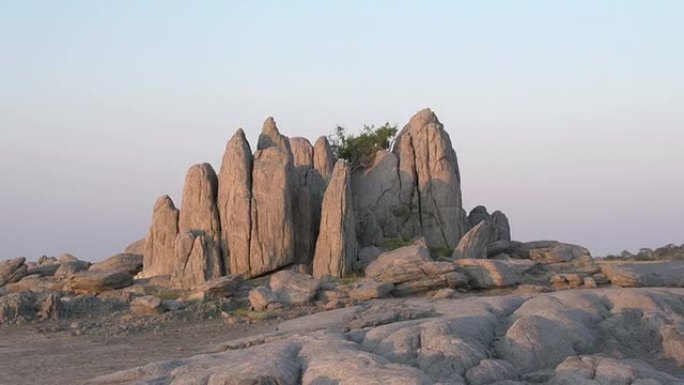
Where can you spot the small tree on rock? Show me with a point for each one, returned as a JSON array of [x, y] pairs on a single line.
[[359, 150]]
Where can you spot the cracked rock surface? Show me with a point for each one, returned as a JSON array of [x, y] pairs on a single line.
[[597, 337]]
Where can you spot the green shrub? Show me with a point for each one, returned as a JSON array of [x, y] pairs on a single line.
[[395, 243], [359, 150]]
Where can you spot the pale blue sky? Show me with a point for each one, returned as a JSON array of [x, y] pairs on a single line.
[[566, 115]]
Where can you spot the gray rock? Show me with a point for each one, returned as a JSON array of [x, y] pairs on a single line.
[[46, 270], [489, 274], [95, 281], [302, 209], [488, 231], [158, 251], [556, 252], [147, 305], [137, 247], [234, 196], [221, 287], [67, 269], [197, 247], [129, 263], [336, 247], [285, 288], [431, 180], [12, 270], [412, 270], [272, 234], [52, 308], [649, 274], [17, 307], [367, 289], [477, 215]]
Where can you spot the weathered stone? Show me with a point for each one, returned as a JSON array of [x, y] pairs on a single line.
[[381, 215], [294, 288], [158, 251], [197, 247], [197, 261], [234, 200], [649, 274], [366, 255], [45, 270], [474, 243], [95, 282], [367, 289], [67, 258], [566, 281], [477, 215], [17, 307], [137, 247], [129, 263], [489, 274], [489, 372], [336, 247], [51, 308], [513, 249], [260, 297], [35, 284], [412, 270], [430, 180], [68, 269], [317, 180], [556, 252], [221, 287], [147, 305], [302, 209], [272, 233], [12, 270], [271, 137]]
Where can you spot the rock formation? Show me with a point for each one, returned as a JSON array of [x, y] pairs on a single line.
[[272, 238], [336, 247], [430, 180], [234, 204], [302, 204], [488, 230], [197, 247], [415, 190]]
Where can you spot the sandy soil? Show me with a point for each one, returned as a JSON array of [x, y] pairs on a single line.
[[31, 357]]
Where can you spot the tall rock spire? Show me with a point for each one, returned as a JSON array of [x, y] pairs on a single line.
[[234, 200]]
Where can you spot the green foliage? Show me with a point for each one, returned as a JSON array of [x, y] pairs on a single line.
[[252, 314], [441, 253], [395, 243], [161, 293], [359, 150]]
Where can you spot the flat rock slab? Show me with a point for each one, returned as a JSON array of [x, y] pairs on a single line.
[[645, 274], [569, 337]]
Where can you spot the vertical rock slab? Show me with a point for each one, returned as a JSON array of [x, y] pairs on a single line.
[[234, 200], [271, 137], [197, 248], [336, 247], [474, 243], [272, 233], [430, 176], [158, 252], [323, 163], [376, 190], [302, 208]]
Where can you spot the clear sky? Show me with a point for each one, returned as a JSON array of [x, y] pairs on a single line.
[[566, 115]]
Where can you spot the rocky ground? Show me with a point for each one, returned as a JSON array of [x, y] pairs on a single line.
[[501, 313]]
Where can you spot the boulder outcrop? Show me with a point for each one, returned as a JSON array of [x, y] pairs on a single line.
[[412, 270], [488, 230], [234, 204], [197, 247], [272, 239], [336, 248], [12, 270], [158, 252]]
